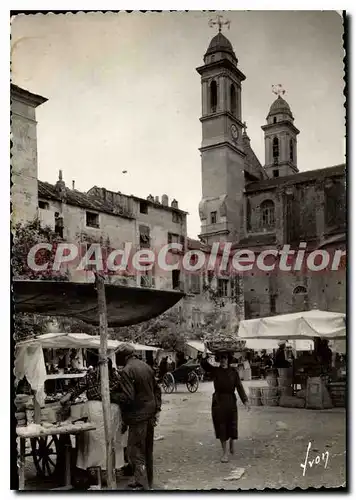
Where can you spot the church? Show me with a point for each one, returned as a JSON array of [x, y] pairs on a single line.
[[260, 206], [249, 204]]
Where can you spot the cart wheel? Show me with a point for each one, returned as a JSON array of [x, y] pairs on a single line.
[[45, 454], [192, 382], [168, 383]]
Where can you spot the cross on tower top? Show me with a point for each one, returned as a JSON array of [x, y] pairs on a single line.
[[244, 126], [278, 90], [218, 21]]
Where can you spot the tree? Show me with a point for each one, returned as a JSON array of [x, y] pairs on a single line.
[[25, 237], [166, 331], [27, 326]]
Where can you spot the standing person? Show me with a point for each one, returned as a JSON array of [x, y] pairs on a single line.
[[92, 444], [224, 408], [140, 402], [163, 367], [280, 360]]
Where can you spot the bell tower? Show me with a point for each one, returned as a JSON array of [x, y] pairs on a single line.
[[280, 138], [222, 154]]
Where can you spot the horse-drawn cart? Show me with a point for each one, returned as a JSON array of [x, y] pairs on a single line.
[[184, 374]]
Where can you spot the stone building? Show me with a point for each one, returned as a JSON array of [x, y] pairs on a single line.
[[24, 154], [113, 219], [260, 207]]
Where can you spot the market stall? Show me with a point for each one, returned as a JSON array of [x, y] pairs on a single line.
[[97, 304], [305, 372], [194, 348]]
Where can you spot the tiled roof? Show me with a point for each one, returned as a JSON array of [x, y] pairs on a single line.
[[197, 245], [27, 95], [253, 164], [308, 176], [83, 200], [256, 240]]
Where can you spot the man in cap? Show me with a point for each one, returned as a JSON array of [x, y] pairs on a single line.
[[280, 360], [140, 402]]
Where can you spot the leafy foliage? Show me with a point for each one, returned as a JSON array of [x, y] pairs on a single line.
[[73, 325], [25, 236], [167, 331], [27, 326]]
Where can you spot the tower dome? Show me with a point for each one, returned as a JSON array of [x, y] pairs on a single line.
[[280, 106], [220, 44]]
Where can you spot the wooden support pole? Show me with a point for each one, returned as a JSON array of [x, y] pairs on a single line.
[[105, 389]]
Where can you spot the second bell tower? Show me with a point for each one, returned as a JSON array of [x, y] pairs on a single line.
[[222, 155]]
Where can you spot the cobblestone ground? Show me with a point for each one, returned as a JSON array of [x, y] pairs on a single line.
[[272, 444]]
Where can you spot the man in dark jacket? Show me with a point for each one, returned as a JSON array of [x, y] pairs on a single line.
[[280, 360], [140, 402]]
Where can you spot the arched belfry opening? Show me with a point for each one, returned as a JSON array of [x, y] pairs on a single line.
[[213, 96], [233, 99], [291, 150], [275, 148]]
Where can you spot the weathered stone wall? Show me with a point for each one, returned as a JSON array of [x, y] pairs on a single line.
[[23, 162]]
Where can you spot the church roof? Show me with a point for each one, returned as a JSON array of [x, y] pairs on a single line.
[[301, 177], [280, 105], [220, 44]]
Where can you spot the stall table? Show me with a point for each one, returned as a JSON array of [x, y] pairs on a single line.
[[38, 431]]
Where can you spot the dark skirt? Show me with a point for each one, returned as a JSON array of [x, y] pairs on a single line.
[[224, 413]]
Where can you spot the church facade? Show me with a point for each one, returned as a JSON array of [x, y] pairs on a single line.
[[262, 207]]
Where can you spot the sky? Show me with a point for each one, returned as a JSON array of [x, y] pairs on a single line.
[[123, 93]]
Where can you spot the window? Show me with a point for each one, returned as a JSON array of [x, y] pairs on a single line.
[[275, 147], [195, 283], [143, 207], [213, 96], [144, 237], [92, 220], [43, 204], [272, 303], [176, 279], [58, 224], [176, 217], [233, 102], [147, 279], [213, 217], [222, 287], [275, 173], [173, 238], [196, 314], [267, 213], [274, 119], [235, 287], [300, 290], [291, 150]]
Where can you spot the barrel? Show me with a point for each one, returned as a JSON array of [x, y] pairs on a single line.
[[337, 393], [271, 379], [285, 390], [255, 396], [269, 396], [286, 373], [285, 381]]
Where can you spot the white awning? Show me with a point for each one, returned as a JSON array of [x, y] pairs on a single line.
[[307, 324]]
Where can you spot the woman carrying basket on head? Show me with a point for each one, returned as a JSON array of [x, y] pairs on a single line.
[[224, 408]]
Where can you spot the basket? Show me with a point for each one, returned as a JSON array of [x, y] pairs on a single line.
[[255, 396], [217, 346], [269, 396], [54, 413]]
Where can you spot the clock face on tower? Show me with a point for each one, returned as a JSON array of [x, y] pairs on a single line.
[[234, 132]]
